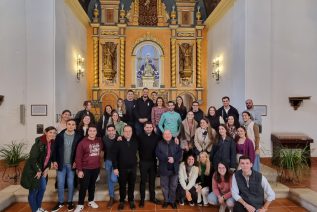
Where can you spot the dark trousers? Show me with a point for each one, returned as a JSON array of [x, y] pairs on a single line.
[[181, 193], [169, 185], [148, 172], [238, 207], [87, 182], [127, 176]]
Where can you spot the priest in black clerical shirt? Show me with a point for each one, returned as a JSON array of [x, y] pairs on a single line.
[[148, 141]]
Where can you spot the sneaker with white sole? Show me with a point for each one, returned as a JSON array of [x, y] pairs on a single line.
[[222, 208], [93, 204], [79, 208], [41, 210]]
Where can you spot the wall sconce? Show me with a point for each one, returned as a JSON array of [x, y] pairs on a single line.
[[80, 67], [216, 68]]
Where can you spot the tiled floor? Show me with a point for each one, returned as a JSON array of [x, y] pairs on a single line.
[[279, 205]]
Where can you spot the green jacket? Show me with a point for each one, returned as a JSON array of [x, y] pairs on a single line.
[[35, 163]]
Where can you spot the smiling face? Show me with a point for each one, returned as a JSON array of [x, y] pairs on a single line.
[[51, 135], [249, 104], [88, 107], [159, 102], [179, 100], [86, 120], [222, 169], [111, 132], [203, 158], [222, 131], [225, 102], [167, 135], [130, 96], [115, 117], [71, 126], [108, 109], [245, 117], [92, 132], [203, 124], [212, 111], [190, 115], [171, 106], [66, 116], [190, 160], [245, 165], [241, 132], [230, 120], [127, 132], [148, 128]]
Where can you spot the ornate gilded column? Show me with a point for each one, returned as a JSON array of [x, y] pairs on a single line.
[[198, 70], [173, 66], [95, 59], [122, 74]]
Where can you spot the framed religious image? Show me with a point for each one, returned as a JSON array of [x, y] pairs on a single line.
[[39, 129], [38, 110], [262, 109]]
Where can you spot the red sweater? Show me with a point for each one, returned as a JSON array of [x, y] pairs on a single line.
[[221, 189], [88, 154]]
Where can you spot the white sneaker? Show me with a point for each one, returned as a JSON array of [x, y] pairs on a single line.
[[79, 208], [41, 210], [93, 204], [222, 208]]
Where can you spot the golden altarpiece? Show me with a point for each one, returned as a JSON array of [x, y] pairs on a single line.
[[147, 46]]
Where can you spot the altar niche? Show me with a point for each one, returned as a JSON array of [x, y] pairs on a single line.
[[148, 65]]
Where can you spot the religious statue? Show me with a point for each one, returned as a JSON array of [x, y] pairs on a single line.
[[148, 70], [185, 56], [109, 60]]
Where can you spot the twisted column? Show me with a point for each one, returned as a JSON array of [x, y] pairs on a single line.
[[173, 66], [198, 79], [95, 59], [122, 75]]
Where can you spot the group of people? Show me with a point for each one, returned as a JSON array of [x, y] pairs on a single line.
[[194, 154]]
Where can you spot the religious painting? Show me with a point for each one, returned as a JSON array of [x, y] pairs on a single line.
[[148, 13], [147, 67], [109, 16], [186, 18]]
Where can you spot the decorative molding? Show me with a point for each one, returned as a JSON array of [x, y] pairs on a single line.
[[107, 32], [218, 12], [185, 34], [78, 11], [148, 37]]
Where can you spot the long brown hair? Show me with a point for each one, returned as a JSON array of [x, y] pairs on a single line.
[[227, 174], [209, 131]]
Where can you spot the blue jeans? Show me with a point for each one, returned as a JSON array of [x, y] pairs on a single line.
[[61, 177], [36, 195], [213, 200], [111, 178], [256, 165]]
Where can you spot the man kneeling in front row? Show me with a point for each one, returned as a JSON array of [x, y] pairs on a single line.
[[248, 188]]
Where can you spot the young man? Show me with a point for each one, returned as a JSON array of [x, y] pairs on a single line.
[[227, 110], [63, 159], [169, 154], [88, 167], [198, 113], [170, 120], [124, 161], [142, 111], [148, 141], [248, 188], [108, 142], [154, 96], [129, 106], [79, 116]]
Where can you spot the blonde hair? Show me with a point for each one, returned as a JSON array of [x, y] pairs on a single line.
[[122, 107], [207, 171]]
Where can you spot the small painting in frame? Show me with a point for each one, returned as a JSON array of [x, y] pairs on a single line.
[[262, 109], [38, 110]]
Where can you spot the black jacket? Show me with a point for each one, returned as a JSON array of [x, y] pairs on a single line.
[[79, 116], [58, 153], [147, 146], [124, 154], [162, 150], [199, 115], [231, 112], [224, 151], [143, 108]]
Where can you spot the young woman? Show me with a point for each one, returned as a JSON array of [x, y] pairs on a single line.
[[65, 116], [224, 149], [115, 120], [232, 126], [34, 175], [204, 137], [87, 161], [254, 135], [244, 145], [187, 133], [221, 188], [83, 125], [187, 175], [180, 107], [204, 180], [156, 114], [103, 121], [121, 109], [214, 119]]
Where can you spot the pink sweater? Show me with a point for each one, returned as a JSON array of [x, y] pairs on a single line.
[[221, 189]]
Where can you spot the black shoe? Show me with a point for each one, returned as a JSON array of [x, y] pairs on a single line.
[[58, 206], [141, 205], [174, 205], [191, 203], [70, 206], [121, 206], [110, 203], [181, 202], [155, 201], [132, 205], [200, 203], [165, 205]]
